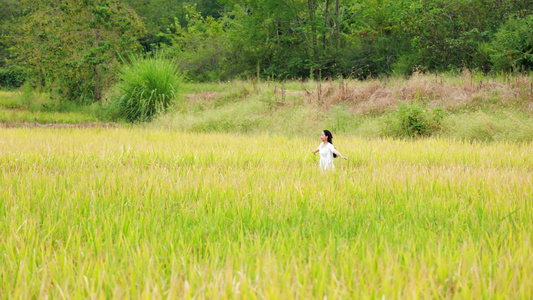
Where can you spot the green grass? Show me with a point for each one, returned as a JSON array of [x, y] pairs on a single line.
[[44, 117], [502, 125], [140, 213], [31, 107], [11, 100], [474, 107]]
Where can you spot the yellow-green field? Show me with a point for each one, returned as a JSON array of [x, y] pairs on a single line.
[[137, 213]]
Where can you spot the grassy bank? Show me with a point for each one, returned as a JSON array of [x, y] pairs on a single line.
[[135, 213], [23, 106], [474, 107], [471, 106]]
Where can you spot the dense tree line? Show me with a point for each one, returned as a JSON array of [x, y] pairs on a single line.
[[55, 41], [361, 38]]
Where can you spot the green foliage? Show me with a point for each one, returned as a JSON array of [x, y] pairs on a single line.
[[364, 39], [413, 120], [75, 45], [158, 15], [270, 39], [72, 47], [201, 47], [10, 14], [148, 86], [445, 34], [513, 45], [11, 77]]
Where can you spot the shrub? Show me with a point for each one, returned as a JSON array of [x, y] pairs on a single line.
[[148, 86], [413, 120], [512, 45], [11, 77]]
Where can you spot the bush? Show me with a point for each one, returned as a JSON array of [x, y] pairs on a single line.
[[148, 86], [512, 45], [11, 77], [413, 120]]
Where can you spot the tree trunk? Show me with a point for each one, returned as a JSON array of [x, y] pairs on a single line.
[[326, 23], [311, 5], [337, 20], [96, 70], [97, 89]]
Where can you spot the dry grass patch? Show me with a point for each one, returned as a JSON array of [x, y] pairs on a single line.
[[375, 96], [202, 96]]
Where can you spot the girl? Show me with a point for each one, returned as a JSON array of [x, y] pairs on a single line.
[[327, 151]]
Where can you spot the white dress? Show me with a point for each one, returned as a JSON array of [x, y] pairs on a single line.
[[326, 156]]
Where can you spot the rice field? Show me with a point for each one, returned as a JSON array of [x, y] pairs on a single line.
[[146, 213]]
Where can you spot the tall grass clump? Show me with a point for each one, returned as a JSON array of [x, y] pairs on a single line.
[[147, 86]]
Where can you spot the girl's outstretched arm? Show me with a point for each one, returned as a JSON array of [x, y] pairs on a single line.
[[338, 154]]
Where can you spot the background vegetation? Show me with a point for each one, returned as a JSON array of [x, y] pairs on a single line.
[[72, 46], [469, 106], [75, 52]]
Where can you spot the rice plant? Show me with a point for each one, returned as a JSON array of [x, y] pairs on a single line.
[[139, 213]]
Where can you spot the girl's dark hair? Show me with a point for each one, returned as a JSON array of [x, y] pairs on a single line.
[[330, 138]]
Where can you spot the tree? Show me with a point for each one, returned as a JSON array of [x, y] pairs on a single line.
[[513, 45], [10, 14], [11, 76], [76, 44], [289, 39], [200, 47], [159, 16]]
